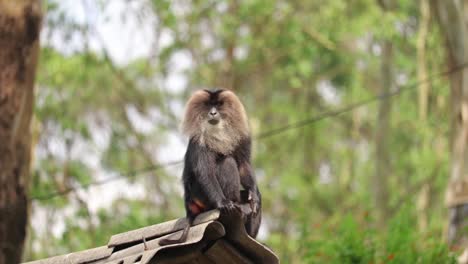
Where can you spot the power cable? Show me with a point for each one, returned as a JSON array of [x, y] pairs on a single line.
[[260, 136]]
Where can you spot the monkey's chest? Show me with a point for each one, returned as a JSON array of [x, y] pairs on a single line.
[[219, 140]]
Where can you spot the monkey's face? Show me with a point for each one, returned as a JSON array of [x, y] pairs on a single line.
[[221, 109], [214, 109], [216, 116], [211, 109]]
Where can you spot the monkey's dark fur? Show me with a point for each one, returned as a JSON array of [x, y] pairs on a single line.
[[217, 161]]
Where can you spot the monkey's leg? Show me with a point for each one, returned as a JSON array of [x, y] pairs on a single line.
[[204, 166], [229, 179]]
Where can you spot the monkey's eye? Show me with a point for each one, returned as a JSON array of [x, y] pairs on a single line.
[[220, 103]]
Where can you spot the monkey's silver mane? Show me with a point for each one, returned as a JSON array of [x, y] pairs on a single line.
[[224, 137]]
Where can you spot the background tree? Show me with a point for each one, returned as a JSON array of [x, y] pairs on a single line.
[[453, 20], [19, 47], [382, 167], [113, 78]]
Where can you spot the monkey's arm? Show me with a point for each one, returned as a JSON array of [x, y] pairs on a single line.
[[203, 164], [248, 182], [247, 176]]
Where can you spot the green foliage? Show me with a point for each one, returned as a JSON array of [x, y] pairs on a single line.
[[348, 244], [354, 240], [289, 61]]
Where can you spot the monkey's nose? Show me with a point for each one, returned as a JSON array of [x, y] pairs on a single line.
[[213, 112]]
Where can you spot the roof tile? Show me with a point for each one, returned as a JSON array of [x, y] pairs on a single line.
[[214, 238]]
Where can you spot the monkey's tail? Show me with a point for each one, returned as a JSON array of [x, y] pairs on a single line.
[[181, 239]]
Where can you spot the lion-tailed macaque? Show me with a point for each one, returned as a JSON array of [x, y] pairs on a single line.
[[217, 161]]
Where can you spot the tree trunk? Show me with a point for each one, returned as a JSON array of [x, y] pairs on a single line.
[[382, 163], [423, 95], [421, 49], [452, 17], [19, 45], [382, 166]]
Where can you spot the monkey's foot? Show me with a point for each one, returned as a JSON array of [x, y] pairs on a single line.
[[230, 208]]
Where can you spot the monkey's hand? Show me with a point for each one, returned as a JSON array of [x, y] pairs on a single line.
[[228, 206], [254, 201]]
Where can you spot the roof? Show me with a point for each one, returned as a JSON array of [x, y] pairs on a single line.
[[213, 238]]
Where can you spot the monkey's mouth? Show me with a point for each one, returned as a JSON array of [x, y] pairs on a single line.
[[213, 121]]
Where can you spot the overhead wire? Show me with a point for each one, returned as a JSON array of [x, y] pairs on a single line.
[[269, 133]]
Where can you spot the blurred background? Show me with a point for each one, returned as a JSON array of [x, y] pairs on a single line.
[[354, 108]]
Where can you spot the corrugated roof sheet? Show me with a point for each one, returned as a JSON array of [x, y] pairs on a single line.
[[214, 238]]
